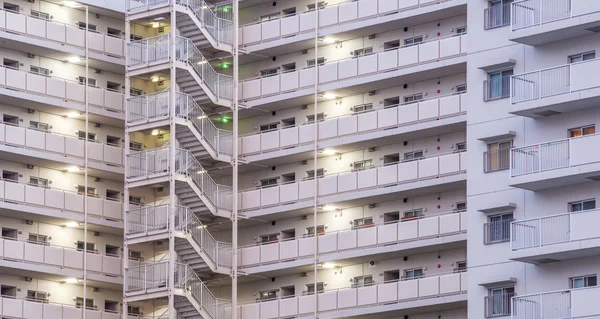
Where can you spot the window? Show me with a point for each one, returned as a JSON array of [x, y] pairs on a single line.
[[113, 140], [391, 159], [392, 217], [135, 92], [414, 273], [288, 178], [38, 182], [90, 190], [461, 88], [9, 119], [37, 296], [582, 205], [10, 176], [363, 108], [288, 122], [391, 45], [412, 41], [11, 63], [39, 126], [112, 194], [583, 281], [134, 37], [38, 239], [311, 6], [9, 233], [8, 291], [91, 136], [111, 250], [391, 102], [89, 303], [497, 157], [413, 98], [135, 146], [11, 7], [498, 85], [310, 288], [362, 281], [311, 62], [288, 234], [272, 238], [133, 310], [460, 147], [497, 230], [311, 118], [289, 67], [135, 200], [362, 223], [91, 247], [288, 291], [582, 57], [320, 230], [461, 30], [362, 52], [268, 127], [267, 295], [90, 27], [461, 266], [135, 255], [461, 207], [40, 71], [271, 16], [113, 86], [311, 174], [269, 182], [81, 80], [269, 72], [114, 32], [360, 165], [412, 214], [111, 306], [413, 156], [498, 302], [581, 131]]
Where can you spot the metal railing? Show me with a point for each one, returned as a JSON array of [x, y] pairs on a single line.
[[144, 164], [543, 305], [133, 5], [147, 277], [149, 107], [543, 231], [498, 305], [146, 220], [21, 307], [220, 28], [496, 16], [496, 232], [529, 13], [540, 157], [541, 84], [496, 160], [496, 88], [149, 50]]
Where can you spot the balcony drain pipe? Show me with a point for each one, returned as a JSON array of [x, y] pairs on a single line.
[[315, 153]]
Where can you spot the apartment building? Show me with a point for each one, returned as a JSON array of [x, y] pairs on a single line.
[[298, 159]]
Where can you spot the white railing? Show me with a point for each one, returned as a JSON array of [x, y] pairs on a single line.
[[540, 157], [59, 199], [155, 106], [62, 89], [219, 28], [35, 308], [432, 167], [45, 254], [60, 33], [145, 164], [356, 238], [354, 124], [136, 5], [529, 13], [375, 63], [61, 144], [147, 220], [397, 291], [553, 81], [155, 276], [149, 50], [543, 305], [329, 16]]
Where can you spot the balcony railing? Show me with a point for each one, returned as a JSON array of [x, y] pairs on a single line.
[[155, 162], [329, 16], [155, 106], [60, 33], [385, 293], [376, 63], [529, 13], [496, 232], [13, 307], [554, 155], [554, 81], [354, 124], [59, 199], [381, 176], [362, 238], [556, 304], [496, 160], [497, 16], [59, 257], [496, 88], [498, 305]]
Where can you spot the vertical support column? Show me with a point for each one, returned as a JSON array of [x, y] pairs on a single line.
[[234, 162], [172, 148], [86, 153], [315, 153], [125, 153]]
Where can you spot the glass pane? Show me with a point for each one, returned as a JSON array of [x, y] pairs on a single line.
[[578, 283], [589, 130], [575, 133]]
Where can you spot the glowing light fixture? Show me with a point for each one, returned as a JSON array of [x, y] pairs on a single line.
[[328, 265], [74, 59], [155, 25], [225, 65], [329, 152], [201, 117], [71, 280], [154, 132], [71, 4], [73, 114], [73, 169], [328, 40], [202, 62], [201, 172], [72, 224], [155, 79], [329, 208], [329, 96], [224, 120]]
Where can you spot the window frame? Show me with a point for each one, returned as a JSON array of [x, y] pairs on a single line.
[[582, 57], [586, 281], [405, 273], [410, 156], [581, 130], [412, 41], [412, 98], [582, 202]]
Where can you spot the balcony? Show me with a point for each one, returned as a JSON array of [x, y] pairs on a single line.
[[345, 20], [553, 238], [537, 22], [355, 243], [42, 37], [556, 90], [574, 303], [434, 58], [357, 127], [353, 185], [556, 163], [11, 307], [431, 291], [57, 260]]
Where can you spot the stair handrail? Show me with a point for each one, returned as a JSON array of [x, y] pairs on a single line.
[[188, 222], [219, 139], [217, 27], [148, 106], [219, 195], [187, 279], [219, 84]]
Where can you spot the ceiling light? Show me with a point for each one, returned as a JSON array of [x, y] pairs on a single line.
[[154, 132], [329, 152], [71, 4], [201, 227], [155, 79], [329, 208], [224, 120], [202, 62], [71, 280], [72, 224], [201, 172], [155, 25], [73, 114], [329, 96], [201, 117], [73, 169], [329, 40], [74, 59], [158, 19], [328, 265]]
